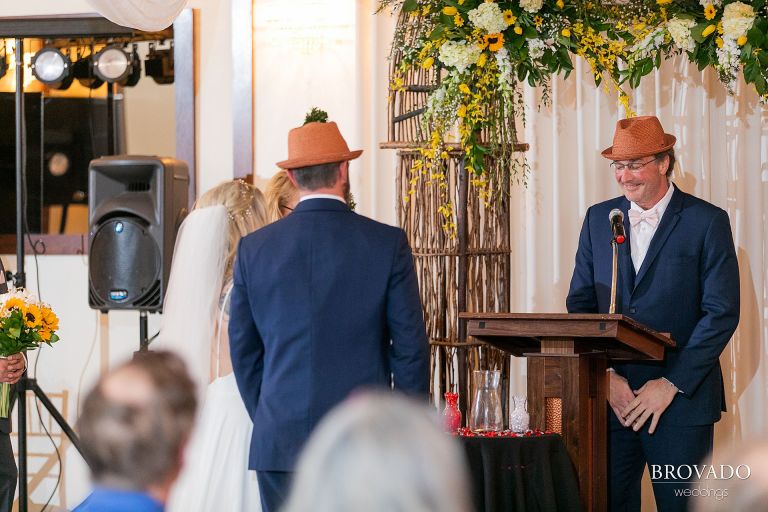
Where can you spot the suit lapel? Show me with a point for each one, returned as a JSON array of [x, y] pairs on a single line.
[[667, 224]]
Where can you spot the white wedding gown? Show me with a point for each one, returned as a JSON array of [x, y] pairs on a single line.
[[216, 476]]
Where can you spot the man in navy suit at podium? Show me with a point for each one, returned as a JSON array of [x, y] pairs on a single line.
[[324, 302], [678, 273]]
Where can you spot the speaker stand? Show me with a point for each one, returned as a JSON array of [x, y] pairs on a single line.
[[143, 336]]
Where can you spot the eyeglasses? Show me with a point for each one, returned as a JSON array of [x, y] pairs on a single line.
[[286, 207], [632, 166]]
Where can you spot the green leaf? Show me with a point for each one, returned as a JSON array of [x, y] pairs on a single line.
[[437, 33], [697, 30], [530, 33], [755, 37], [410, 5]]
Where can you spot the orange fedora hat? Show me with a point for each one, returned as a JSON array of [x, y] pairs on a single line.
[[637, 137], [316, 143]]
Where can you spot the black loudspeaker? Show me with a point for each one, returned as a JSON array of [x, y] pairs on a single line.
[[136, 205]]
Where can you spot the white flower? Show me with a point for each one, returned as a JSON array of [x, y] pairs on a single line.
[[506, 78], [737, 19], [680, 30], [459, 54], [531, 5], [728, 63], [705, 3], [488, 17], [648, 44], [535, 48]]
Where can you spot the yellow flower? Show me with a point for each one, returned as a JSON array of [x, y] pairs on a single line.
[[462, 112], [719, 42], [50, 320], [720, 27], [560, 4], [741, 41], [463, 88], [45, 334], [566, 33], [538, 20], [710, 11], [450, 11], [495, 42], [481, 60], [518, 30], [33, 317], [14, 303], [707, 31], [509, 17], [663, 2], [461, 2], [427, 63], [639, 26], [458, 20]]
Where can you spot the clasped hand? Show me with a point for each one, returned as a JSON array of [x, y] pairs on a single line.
[[11, 368], [633, 408]]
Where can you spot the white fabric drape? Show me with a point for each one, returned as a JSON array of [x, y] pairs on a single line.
[[149, 15]]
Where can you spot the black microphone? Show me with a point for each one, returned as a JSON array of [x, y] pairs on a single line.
[[616, 218]]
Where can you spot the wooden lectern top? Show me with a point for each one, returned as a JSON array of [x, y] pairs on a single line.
[[620, 337]]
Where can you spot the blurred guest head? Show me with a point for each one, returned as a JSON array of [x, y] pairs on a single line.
[[737, 481], [246, 210], [136, 422], [282, 196], [380, 452]]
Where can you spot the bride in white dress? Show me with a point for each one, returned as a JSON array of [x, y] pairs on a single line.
[[195, 314]]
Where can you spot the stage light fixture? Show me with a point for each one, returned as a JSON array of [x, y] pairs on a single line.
[[112, 64], [135, 75], [51, 67], [159, 65], [83, 71]]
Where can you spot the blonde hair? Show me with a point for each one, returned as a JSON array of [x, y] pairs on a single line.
[[280, 193], [380, 452], [246, 210]]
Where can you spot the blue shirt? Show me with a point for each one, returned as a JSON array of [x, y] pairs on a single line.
[[112, 500]]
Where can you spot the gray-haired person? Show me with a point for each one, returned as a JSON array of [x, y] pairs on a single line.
[[134, 427]]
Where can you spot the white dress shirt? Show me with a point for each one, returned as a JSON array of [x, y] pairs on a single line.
[[322, 196], [642, 233]]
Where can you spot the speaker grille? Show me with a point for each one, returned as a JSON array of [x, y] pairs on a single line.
[[139, 186], [125, 265]]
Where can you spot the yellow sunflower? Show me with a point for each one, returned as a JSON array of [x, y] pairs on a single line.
[[45, 334], [509, 17], [538, 20], [495, 42], [50, 320], [458, 20], [14, 303], [710, 11], [33, 317]]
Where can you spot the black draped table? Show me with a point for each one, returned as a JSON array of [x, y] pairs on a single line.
[[521, 474]]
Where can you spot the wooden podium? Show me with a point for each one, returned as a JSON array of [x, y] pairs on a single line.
[[567, 383]]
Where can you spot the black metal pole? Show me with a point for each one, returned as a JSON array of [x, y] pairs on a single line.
[[20, 277], [32, 386], [110, 119], [143, 332]]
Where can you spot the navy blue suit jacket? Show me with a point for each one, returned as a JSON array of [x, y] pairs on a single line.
[[688, 285], [324, 302]]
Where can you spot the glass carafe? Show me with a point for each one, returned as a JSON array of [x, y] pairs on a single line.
[[486, 415]]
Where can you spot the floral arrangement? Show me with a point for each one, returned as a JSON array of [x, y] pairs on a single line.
[[466, 432], [481, 50], [25, 323]]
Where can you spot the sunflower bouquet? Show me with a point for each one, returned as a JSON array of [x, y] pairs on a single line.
[[25, 323]]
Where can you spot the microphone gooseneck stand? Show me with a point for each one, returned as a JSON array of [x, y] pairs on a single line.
[[25, 383]]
